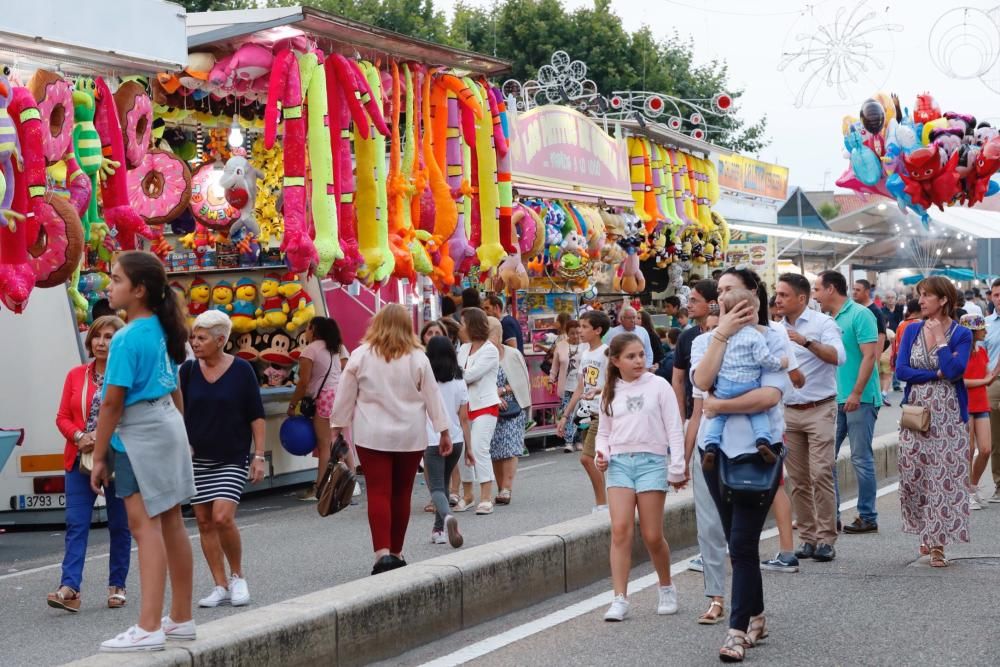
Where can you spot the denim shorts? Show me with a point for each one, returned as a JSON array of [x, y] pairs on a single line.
[[125, 482], [640, 472], [980, 415]]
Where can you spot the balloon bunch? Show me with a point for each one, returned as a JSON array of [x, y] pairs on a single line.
[[922, 158]]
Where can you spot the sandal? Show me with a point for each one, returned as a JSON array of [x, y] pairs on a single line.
[[735, 648], [937, 557], [116, 597], [66, 601], [758, 630], [503, 498], [924, 551], [429, 507], [485, 507], [462, 506], [453, 500], [710, 617]]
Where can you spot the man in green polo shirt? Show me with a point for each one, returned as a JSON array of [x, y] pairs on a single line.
[[858, 393]]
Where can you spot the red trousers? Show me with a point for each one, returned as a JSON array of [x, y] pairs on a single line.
[[389, 480]]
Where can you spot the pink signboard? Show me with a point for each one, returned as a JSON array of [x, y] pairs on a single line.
[[558, 146]]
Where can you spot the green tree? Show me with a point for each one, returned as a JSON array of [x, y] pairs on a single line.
[[193, 6], [414, 18]]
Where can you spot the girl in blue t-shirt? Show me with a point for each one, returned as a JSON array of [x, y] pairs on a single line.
[[141, 426]]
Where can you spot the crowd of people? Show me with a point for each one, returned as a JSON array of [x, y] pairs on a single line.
[[746, 388]]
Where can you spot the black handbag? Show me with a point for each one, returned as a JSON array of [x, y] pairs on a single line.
[[512, 410], [748, 480], [307, 406], [335, 490]]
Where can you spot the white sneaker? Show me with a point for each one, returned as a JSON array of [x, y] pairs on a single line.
[[696, 564], [357, 490], [179, 631], [618, 611], [982, 502], [219, 595], [668, 601], [239, 592], [995, 498], [974, 502], [599, 508], [135, 639], [437, 537], [455, 538]]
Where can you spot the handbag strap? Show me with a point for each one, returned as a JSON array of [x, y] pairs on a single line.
[[326, 377]]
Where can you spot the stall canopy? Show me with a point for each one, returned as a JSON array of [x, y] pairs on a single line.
[[952, 273], [78, 38], [230, 29]]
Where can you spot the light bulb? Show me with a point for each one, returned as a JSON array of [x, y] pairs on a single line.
[[235, 134], [949, 248], [902, 245], [938, 251], [968, 247]]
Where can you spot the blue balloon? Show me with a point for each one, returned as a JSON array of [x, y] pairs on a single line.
[[297, 436], [992, 188], [864, 162]]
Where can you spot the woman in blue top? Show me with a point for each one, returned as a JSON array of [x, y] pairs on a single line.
[[141, 421], [934, 464]]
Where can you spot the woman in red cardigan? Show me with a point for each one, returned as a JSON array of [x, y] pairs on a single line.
[[77, 421]]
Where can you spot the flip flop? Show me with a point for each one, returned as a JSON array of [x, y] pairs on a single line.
[[485, 507]]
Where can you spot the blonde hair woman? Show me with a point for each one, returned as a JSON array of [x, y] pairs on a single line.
[[514, 389], [388, 392]]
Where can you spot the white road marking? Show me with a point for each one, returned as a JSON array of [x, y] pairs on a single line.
[[497, 642], [52, 566]]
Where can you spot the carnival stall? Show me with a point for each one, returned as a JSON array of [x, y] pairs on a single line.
[[50, 158]]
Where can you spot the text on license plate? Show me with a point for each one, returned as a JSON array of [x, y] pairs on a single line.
[[41, 501]]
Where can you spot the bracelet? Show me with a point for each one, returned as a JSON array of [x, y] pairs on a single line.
[[258, 457], [722, 338]]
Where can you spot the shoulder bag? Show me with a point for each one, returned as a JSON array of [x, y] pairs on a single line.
[[748, 480], [337, 486], [307, 406], [918, 417]]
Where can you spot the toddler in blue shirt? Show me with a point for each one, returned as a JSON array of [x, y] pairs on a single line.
[[747, 356]]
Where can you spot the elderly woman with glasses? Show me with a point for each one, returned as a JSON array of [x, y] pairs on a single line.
[[224, 414]]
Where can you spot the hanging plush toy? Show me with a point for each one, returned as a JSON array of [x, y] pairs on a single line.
[[323, 195], [413, 179], [239, 180], [372, 208], [459, 250], [490, 251], [10, 149], [285, 88], [400, 230], [119, 215], [445, 211], [17, 278]]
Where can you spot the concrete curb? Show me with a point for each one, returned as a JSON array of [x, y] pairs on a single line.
[[380, 617]]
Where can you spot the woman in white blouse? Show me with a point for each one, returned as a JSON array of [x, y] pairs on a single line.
[[480, 361]]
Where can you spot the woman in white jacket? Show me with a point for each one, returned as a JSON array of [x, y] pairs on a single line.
[[514, 388], [480, 361]]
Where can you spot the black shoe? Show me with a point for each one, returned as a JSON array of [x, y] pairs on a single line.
[[805, 550], [384, 564], [825, 553], [861, 526], [396, 562], [708, 458], [840, 526]]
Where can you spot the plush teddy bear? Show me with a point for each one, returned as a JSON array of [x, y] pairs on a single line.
[[298, 304], [222, 297], [199, 295], [271, 314]]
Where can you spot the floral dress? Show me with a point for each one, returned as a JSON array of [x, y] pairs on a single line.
[[934, 466], [508, 438]]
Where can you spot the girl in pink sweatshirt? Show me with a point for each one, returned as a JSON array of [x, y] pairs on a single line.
[[639, 428]]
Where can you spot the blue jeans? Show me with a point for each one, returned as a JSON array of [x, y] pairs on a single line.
[[79, 511], [759, 421], [859, 426]]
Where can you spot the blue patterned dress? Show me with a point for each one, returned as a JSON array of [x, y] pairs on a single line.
[[508, 438]]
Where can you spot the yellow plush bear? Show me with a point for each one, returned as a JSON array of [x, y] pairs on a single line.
[[272, 313], [298, 304]]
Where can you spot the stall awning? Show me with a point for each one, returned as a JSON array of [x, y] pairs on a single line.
[[800, 233], [103, 36], [953, 273], [550, 192], [978, 223], [228, 30]]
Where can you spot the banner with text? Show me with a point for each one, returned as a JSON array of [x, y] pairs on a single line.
[[753, 177]]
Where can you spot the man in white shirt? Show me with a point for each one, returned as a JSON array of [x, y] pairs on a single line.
[[629, 320], [811, 416]]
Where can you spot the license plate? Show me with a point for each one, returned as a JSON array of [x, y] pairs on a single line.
[[41, 501]]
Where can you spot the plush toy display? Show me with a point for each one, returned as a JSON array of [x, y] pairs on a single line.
[[160, 187], [298, 304], [239, 183]]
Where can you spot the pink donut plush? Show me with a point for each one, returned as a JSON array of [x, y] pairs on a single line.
[[55, 252], [160, 187], [54, 97], [524, 224], [135, 114]]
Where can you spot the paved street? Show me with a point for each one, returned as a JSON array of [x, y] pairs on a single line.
[[876, 604], [289, 551]]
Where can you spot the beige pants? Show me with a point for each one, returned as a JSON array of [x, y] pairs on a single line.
[[993, 392], [809, 437]]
